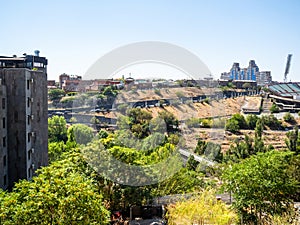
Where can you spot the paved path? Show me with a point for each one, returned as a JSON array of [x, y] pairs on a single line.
[[196, 157]]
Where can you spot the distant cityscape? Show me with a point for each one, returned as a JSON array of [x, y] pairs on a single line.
[[24, 104], [250, 73]]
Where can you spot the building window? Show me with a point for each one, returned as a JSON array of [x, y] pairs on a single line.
[[4, 142], [3, 122], [3, 103], [28, 102], [28, 137], [28, 84], [28, 120], [29, 154], [16, 116], [4, 180], [4, 160]]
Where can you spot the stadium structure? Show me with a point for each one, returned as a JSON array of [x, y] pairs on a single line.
[[286, 95]]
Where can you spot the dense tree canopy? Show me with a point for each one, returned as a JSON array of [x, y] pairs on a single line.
[[203, 208], [57, 129], [60, 194], [263, 183], [83, 134], [56, 94]]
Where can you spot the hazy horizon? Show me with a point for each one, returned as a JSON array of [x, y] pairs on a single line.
[[74, 34]]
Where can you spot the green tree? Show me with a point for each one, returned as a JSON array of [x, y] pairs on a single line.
[[240, 150], [110, 91], [55, 150], [293, 141], [73, 119], [83, 134], [206, 123], [210, 150], [200, 147], [203, 208], [258, 140], [241, 120], [274, 108], [261, 184], [95, 122], [246, 86], [184, 181], [139, 122], [272, 122], [232, 125], [56, 94], [251, 121], [213, 152], [171, 121], [289, 118], [191, 163], [58, 195], [57, 129]]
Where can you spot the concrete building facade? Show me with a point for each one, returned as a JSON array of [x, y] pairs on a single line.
[[251, 73], [26, 123], [3, 138]]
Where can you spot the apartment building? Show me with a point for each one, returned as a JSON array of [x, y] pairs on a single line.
[[24, 118]]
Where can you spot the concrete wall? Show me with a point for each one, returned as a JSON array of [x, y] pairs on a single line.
[[3, 138], [39, 110]]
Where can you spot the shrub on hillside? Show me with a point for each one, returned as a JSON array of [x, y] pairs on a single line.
[[289, 118], [251, 121], [272, 122], [232, 125], [241, 120], [192, 122], [206, 123], [274, 108]]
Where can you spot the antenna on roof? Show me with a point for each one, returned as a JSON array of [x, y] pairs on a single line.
[[37, 53]]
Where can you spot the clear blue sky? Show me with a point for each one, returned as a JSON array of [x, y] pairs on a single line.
[[73, 34]]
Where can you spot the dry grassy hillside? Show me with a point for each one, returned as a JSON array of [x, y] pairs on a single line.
[[222, 107]]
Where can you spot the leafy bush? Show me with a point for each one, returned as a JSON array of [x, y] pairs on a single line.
[[272, 122], [251, 121], [157, 91], [241, 120], [56, 94], [179, 94], [210, 150], [289, 118], [232, 126], [203, 208], [206, 123], [82, 133], [57, 129], [206, 100], [274, 108], [193, 122], [219, 123], [251, 180]]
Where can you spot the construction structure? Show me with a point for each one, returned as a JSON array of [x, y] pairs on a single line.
[[287, 67], [23, 117]]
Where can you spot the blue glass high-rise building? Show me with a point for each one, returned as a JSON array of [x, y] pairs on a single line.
[[250, 73]]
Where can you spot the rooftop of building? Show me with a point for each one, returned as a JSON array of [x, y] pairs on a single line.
[[25, 61]]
